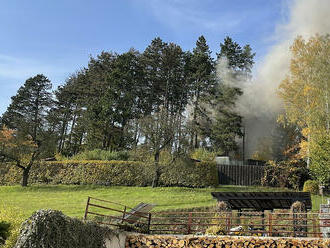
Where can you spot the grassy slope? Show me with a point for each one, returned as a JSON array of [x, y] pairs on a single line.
[[72, 199]]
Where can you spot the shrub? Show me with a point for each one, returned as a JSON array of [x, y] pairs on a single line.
[[311, 186], [4, 231], [216, 230], [184, 172], [49, 228], [289, 174], [10, 222], [121, 173]]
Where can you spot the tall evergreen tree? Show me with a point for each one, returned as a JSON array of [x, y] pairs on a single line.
[[62, 113], [153, 74], [29, 106], [27, 116], [97, 83], [202, 77], [122, 100], [239, 59], [226, 125], [227, 122], [174, 88]]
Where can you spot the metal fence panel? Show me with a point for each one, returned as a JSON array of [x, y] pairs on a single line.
[[244, 175]]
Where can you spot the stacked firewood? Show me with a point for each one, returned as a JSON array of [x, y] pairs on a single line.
[[158, 241]]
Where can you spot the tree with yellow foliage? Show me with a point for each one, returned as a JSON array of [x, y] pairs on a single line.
[[18, 149], [305, 93]]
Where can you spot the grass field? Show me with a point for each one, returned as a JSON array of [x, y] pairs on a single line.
[[71, 199]]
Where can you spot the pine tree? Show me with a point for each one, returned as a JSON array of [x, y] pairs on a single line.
[[202, 83], [61, 115], [153, 74], [27, 110], [228, 123], [27, 116], [239, 59], [122, 100]]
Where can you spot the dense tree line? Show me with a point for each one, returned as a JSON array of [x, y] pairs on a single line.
[[162, 98]]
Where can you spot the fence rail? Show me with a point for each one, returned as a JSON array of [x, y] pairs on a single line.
[[283, 224]]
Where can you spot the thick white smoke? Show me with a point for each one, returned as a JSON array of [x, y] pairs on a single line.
[[259, 104]]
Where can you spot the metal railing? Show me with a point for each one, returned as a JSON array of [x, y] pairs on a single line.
[[113, 213], [246, 223]]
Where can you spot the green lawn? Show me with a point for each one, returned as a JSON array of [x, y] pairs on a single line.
[[71, 199]]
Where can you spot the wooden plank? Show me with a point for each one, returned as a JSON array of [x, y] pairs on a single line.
[[86, 210]]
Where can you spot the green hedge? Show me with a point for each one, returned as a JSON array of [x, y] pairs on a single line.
[[120, 173], [182, 173]]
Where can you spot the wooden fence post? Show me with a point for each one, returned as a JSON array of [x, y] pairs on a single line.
[[294, 224], [314, 228], [270, 224], [228, 224], [189, 223], [124, 214], [149, 222], [239, 216], [86, 210]]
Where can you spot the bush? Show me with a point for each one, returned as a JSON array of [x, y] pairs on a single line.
[[184, 172], [120, 173], [10, 222], [49, 228], [4, 231], [289, 174], [216, 230], [311, 186]]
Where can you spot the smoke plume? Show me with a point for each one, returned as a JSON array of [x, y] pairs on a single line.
[[259, 105]]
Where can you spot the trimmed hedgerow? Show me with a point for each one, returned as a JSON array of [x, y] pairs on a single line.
[[187, 174], [118, 173]]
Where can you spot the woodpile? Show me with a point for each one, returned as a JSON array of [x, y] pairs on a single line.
[[169, 241]]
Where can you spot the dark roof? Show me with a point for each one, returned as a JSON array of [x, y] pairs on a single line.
[[263, 200]]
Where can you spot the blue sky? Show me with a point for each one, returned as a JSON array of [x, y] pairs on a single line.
[[56, 38]]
